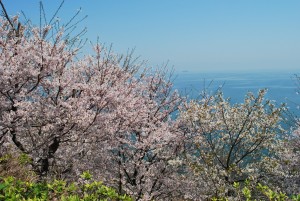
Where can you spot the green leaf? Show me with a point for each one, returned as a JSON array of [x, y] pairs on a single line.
[[2, 186]]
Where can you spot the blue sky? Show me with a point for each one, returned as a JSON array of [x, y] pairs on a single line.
[[194, 35]]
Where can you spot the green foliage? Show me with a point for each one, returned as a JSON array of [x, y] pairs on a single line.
[[86, 175], [14, 189], [17, 165], [5, 158], [24, 159], [260, 192]]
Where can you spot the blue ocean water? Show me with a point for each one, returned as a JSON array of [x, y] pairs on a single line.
[[281, 85]]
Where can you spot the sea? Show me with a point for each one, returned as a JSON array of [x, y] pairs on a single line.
[[282, 87]]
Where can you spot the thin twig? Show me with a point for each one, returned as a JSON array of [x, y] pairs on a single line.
[[6, 16]]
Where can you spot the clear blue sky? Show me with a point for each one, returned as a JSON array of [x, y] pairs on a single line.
[[200, 35]]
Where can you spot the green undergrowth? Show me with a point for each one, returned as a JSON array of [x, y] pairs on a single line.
[[13, 189], [246, 191], [17, 182]]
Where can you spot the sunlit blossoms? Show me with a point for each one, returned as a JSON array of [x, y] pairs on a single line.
[[99, 113], [227, 143]]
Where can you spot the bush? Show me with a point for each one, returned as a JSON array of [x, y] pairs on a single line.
[[86, 189], [248, 191], [17, 165]]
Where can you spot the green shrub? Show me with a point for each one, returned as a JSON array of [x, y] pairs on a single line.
[[16, 165], [14, 189], [246, 192]]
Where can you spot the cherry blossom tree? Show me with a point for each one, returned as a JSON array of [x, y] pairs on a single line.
[[291, 155], [290, 163], [227, 143], [100, 113], [143, 141], [38, 92]]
